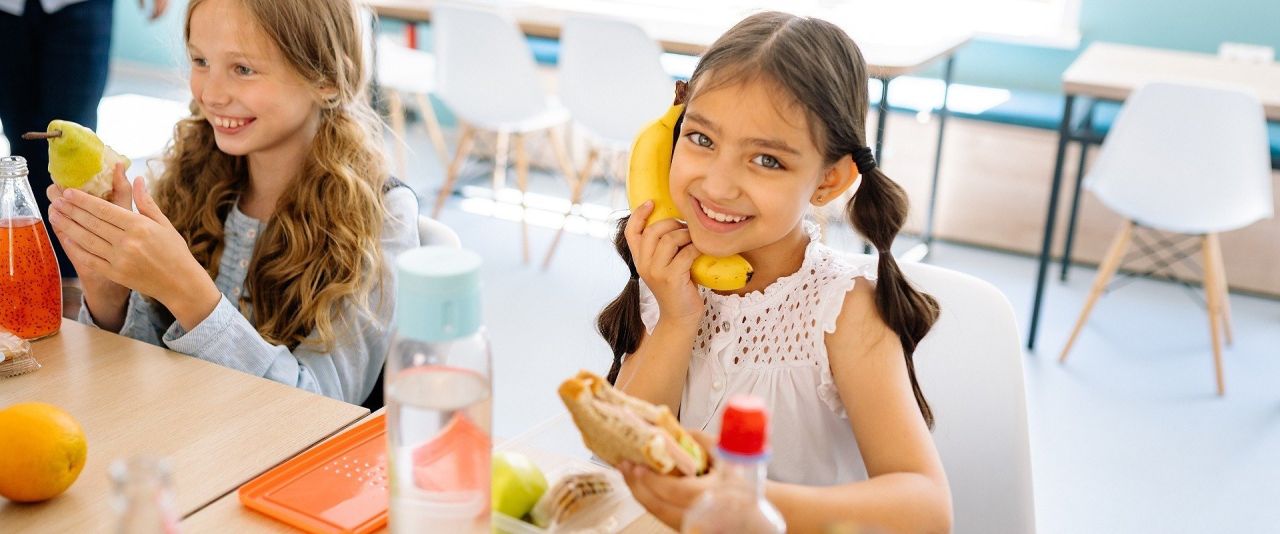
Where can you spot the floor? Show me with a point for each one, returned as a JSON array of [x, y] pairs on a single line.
[[1127, 437]]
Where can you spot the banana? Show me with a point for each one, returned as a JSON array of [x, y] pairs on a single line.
[[648, 179]]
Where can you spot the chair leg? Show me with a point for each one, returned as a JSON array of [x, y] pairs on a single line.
[[1223, 289], [1110, 264], [500, 155], [396, 108], [522, 179], [562, 154], [1213, 295], [465, 139], [575, 198], [432, 123]]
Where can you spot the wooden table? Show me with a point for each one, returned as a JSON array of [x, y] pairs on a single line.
[[217, 427], [894, 41], [1108, 71], [551, 444]]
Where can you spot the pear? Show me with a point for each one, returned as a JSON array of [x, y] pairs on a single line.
[[78, 158]]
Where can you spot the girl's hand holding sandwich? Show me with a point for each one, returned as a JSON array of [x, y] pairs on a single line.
[[667, 497]]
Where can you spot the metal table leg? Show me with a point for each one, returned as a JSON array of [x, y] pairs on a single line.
[[921, 250], [882, 115], [1086, 126], [1064, 137]]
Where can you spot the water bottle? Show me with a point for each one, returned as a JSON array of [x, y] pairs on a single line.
[[30, 285], [736, 503], [438, 389]]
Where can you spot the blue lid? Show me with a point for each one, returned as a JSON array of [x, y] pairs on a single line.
[[437, 293]]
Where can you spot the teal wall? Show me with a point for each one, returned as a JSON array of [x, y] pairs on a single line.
[[1196, 25], [134, 38]]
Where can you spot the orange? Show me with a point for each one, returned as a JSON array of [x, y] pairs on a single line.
[[42, 450]]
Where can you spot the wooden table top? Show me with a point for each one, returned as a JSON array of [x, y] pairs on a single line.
[[893, 43], [1112, 71], [217, 427], [552, 444]]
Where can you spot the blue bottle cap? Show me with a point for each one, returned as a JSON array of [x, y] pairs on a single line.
[[438, 293]]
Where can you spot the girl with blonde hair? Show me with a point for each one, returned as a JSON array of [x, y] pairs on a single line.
[[268, 244]]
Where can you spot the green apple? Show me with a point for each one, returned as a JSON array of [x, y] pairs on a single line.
[[517, 483]]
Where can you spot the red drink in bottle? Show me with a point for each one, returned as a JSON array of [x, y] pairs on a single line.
[[30, 284]]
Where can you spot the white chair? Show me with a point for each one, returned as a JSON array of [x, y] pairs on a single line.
[[1189, 160], [612, 81], [433, 233], [970, 370], [485, 73], [402, 73]]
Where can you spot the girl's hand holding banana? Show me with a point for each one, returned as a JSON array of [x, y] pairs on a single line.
[[664, 254], [648, 180]]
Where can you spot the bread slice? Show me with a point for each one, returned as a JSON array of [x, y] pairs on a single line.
[[618, 427]]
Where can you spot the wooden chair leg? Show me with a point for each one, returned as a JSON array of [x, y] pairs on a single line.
[[1224, 289], [500, 155], [522, 179], [562, 154], [575, 198], [465, 138], [1110, 263], [395, 106], [1213, 295], [432, 123]]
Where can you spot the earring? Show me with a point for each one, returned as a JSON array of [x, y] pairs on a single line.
[[819, 199]]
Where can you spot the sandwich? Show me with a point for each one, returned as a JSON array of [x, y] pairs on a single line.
[[569, 496], [618, 427]]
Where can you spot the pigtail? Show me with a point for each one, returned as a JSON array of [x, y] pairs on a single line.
[[619, 322], [878, 211]]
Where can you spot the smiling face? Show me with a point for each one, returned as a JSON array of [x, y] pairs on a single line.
[[745, 169], [244, 87]]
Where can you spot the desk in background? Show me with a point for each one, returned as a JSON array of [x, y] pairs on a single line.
[[1107, 71]]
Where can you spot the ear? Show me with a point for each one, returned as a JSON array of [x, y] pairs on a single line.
[[835, 181], [327, 94]]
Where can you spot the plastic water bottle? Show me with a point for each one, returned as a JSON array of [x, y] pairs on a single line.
[[736, 503], [438, 390]]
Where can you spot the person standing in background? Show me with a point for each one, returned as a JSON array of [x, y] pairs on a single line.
[[53, 65]]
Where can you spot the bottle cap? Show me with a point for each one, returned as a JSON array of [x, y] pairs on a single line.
[[437, 293], [745, 427]]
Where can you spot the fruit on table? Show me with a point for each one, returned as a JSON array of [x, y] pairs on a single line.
[[648, 178], [42, 450], [517, 483], [78, 158]]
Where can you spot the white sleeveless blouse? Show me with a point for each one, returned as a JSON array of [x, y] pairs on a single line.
[[770, 344]]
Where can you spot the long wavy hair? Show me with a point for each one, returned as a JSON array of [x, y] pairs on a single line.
[[821, 67], [316, 255]]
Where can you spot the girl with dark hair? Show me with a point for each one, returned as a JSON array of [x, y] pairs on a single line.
[[775, 123]]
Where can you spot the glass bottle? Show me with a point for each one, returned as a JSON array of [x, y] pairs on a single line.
[[144, 502], [30, 283], [438, 390], [736, 502]]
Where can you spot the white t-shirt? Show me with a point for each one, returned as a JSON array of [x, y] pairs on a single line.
[[771, 344]]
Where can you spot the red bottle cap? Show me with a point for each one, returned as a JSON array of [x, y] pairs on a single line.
[[745, 426]]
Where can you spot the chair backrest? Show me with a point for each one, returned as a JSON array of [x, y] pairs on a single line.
[[485, 70], [430, 233], [611, 77], [1186, 158], [433, 233], [970, 370]]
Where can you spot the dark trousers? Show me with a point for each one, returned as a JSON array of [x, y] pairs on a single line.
[[52, 66]]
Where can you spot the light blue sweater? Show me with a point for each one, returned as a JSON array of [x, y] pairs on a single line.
[[226, 337]]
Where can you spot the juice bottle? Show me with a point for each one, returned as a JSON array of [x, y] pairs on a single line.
[[30, 284]]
